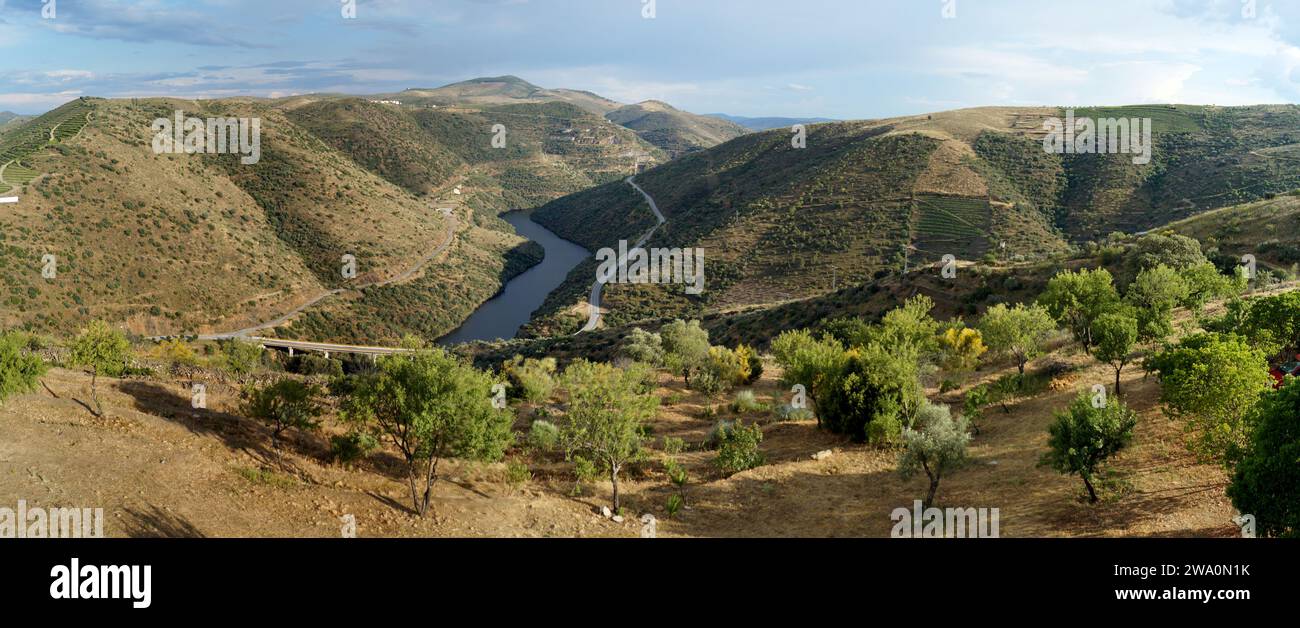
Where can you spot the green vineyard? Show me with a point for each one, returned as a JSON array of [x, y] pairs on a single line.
[[950, 224], [20, 143]]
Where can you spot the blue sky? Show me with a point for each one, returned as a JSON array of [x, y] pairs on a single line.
[[832, 58]]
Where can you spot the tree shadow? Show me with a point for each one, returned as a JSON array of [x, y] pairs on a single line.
[[233, 431], [157, 523]]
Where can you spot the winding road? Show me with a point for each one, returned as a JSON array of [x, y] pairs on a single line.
[[593, 301]]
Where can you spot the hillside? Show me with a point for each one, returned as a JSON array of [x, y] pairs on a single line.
[[767, 123], [9, 117], [501, 90], [676, 131], [165, 244], [872, 197]]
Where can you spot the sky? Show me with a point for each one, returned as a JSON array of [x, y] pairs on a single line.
[[847, 59]]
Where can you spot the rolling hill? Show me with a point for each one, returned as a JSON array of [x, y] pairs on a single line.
[[200, 243], [676, 131], [876, 197]]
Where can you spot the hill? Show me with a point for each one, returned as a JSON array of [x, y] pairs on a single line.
[[673, 130], [502, 90], [876, 197], [9, 117], [767, 123], [200, 243]]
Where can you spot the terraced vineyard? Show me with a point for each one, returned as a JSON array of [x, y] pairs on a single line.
[[950, 225], [27, 139]]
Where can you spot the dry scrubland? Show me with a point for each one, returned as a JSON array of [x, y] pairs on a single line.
[[160, 467]]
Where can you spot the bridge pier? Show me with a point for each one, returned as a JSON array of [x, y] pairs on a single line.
[[291, 352]]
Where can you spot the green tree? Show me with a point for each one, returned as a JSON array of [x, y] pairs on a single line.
[[909, 326], [809, 362], [644, 347], [874, 394], [1077, 299], [937, 448], [242, 357], [1115, 334], [1154, 295], [1266, 483], [102, 349], [1213, 382], [19, 371], [686, 348], [607, 408], [285, 404], [430, 406], [1084, 436], [1020, 332], [531, 379], [973, 405], [1206, 283]]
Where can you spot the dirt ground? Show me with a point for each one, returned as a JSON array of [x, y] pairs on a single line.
[[161, 468]]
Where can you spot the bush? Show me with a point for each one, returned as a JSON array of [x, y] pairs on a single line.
[[720, 432], [746, 402], [739, 450], [19, 371], [543, 436], [644, 346], [787, 412], [241, 357], [311, 364], [530, 379], [1266, 483], [176, 353], [754, 362], [517, 473], [674, 445], [353, 446]]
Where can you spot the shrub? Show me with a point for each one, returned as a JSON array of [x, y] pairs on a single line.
[[673, 505], [754, 362], [530, 379], [787, 412], [876, 384], [645, 347], [176, 353], [746, 402], [674, 445], [739, 450], [543, 435], [353, 446], [285, 404], [720, 432], [105, 350], [19, 371], [517, 473], [241, 358]]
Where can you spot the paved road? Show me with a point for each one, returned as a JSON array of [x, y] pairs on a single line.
[[593, 301]]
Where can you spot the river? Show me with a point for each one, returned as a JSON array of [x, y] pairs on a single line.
[[502, 317]]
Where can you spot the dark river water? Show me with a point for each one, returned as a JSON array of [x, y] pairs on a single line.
[[502, 317]]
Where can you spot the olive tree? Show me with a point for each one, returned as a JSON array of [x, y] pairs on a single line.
[[1154, 295], [103, 350], [685, 348], [430, 406], [1084, 436], [606, 411], [937, 448]]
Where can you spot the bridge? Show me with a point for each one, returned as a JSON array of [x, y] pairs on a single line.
[[323, 347]]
